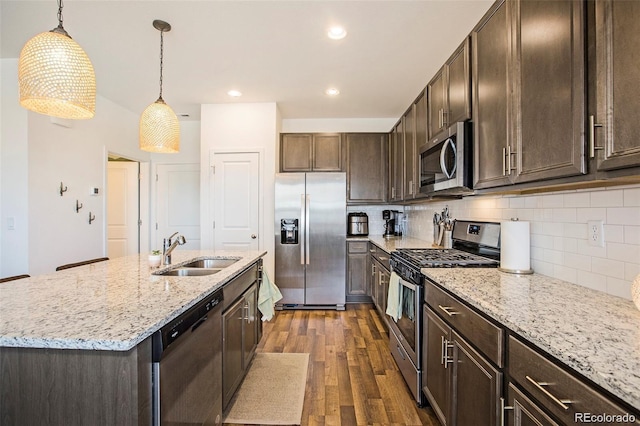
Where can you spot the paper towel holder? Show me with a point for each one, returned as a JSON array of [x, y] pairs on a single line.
[[515, 271]]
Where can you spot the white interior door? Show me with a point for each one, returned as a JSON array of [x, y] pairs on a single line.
[[122, 208], [178, 204], [236, 200]]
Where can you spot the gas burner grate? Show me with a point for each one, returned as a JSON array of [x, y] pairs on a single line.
[[434, 258]]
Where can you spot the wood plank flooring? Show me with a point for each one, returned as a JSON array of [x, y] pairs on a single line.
[[352, 377]]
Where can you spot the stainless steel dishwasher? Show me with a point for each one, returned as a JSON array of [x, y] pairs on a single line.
[[187, 367]]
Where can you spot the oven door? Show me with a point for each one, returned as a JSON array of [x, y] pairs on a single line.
[[408, 327]]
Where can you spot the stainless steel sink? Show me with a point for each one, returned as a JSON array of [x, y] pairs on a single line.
[[189, 272], [210, 263]]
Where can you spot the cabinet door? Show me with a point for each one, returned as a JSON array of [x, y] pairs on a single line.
[[358, 272], [522, 411], [296, 152], [617, 88], [421, 121], [436, 106], [409, 154], [327, 153], [459, 85], [367, 167], [250, 325], [491, 41], [476, 387], [383, 291], [375, 279], [397, 162], [550, 90], [436, 378], [232, 354]]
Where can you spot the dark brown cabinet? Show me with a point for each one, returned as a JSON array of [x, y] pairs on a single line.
[[380, 275], [311, 152], [396, 162], [410, 155], [239, 340], [358, 287], [449, 92], [521, 411], [367, 167], [529, 92], [490, 52], [616, 143]]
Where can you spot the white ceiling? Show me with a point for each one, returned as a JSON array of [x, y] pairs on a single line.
[[272, 51]]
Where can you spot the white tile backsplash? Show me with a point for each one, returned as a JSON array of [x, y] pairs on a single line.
[[559, 246]]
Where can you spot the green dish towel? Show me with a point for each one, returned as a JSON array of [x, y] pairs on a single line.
[[268, 295]]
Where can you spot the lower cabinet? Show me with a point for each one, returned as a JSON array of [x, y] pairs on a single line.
[[524, 412], [239, 341], [461, 385], [358, 283], [380, 275]]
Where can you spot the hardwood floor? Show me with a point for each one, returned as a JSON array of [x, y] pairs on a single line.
[[352, 377]]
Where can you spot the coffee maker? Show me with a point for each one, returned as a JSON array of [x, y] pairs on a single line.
[[389, 223]]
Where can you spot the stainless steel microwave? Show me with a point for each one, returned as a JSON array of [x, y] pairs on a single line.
[[446, 163]]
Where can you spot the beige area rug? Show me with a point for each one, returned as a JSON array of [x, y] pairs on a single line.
[[272, 392]]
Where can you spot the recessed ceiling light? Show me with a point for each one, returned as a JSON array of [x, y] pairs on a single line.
[[337, 33], [332, 91], [234, 93]]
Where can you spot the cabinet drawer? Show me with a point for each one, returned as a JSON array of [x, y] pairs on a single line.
[[357, 246], [562, 393], [383, 257], [481, 333], [239, 285]]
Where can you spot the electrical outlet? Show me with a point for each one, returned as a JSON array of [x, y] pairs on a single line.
[[595, 233]]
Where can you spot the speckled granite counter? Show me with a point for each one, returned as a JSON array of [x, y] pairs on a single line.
[[391, 244], [596, 334], [112, 305]]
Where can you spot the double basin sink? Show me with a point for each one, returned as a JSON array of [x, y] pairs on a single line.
[[198, 268]]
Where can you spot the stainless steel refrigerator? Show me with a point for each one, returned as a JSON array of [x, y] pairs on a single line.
[[310, 240]]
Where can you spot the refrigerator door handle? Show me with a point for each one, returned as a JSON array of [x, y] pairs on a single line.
[[306, 226], [303, 233]]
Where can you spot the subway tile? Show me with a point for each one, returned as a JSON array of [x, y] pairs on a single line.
[[542, 267], [608, 267], [558, 244], [575, 230], [508, 214], [609, 198], [538, 214], [570, 245], [543, 241], [537, 253], [623, 216], [586, 249], [516, 203], [631, 235], [555, 257], [532, 202], [547, 214], [631, 271], [577, 199], [623, 252], [525, 214], [592, 280], [553, 228], [537, 227], [578, 261], [564, 215], [614, 233], [503, 203], [587, 214], [566, 274], [631, 197], [552, 200], [619, 288]]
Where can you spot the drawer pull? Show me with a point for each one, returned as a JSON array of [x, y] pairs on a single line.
[[540, 386], [503, 408], [447, 310]]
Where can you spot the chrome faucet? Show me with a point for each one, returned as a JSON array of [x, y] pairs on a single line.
[[168, 246]]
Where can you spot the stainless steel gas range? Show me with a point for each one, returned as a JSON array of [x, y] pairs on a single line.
[[475, 245]]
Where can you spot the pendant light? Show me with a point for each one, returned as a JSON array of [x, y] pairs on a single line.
[[55, 75], [159, 126]]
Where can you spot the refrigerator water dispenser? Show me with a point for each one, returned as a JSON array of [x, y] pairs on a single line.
[[289, 231]]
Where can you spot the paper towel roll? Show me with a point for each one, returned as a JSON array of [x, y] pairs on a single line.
[[515, 247]]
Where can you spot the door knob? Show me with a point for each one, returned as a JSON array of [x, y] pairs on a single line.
[[254, 236]]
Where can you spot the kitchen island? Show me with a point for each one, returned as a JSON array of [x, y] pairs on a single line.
[[589, 332], [75, 345]]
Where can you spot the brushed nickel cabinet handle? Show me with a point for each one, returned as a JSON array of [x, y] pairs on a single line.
[[447, 310], [504, 161], [540, 386], [592, 137], [502, 410], [509, 168], [447, 359], [441, 350]]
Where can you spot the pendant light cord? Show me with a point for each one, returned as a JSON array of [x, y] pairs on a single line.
[[161, 60]]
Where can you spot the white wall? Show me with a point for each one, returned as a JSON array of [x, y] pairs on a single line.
[[341, 125], [559, 246], [250, 127]]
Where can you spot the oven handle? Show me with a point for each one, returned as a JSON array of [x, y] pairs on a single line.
[[407, 284]]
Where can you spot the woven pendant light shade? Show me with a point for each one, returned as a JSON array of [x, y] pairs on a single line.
[[159, 129], [56, 77]]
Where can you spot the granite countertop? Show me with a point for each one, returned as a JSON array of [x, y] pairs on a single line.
[[596, 334], [112, 305], [394, 243]]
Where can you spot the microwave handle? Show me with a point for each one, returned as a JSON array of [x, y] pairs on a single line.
[[443, 151]]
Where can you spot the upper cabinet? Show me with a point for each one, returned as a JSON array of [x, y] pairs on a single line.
[[396, 162], [410, 154], [614, 130], [449, 92], [528, 92], [367, 167], [311, 152]]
